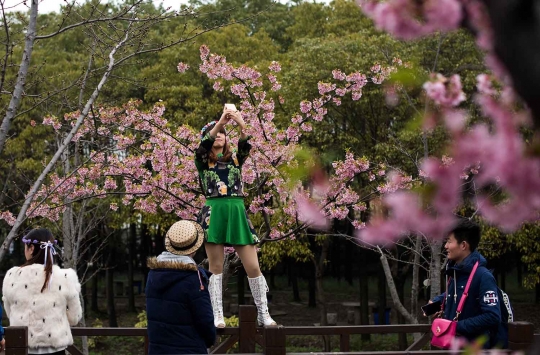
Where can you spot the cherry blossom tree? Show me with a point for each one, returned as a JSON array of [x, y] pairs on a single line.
[[115, 37], [490, 155], [146, 162], [151, 163]]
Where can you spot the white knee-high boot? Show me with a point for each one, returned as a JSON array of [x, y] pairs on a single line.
[[259, 288], [216, 297]]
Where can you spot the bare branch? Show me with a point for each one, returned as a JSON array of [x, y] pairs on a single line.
[[21, 75], [30, 196], [393, 291]]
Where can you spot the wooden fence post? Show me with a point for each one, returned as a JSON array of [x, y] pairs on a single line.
[[274, 340], [520, 335], [247, 329], [16, 340], [146, 341]]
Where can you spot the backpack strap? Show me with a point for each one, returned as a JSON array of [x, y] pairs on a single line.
[[466, 292], [506, 301]]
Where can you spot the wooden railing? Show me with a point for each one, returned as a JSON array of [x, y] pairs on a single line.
[[272, 340]]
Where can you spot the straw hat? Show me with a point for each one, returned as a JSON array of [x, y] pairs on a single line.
[[184, 238]]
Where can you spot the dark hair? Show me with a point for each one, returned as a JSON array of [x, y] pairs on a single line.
[[38, 255], [467, 231], [227, 154]]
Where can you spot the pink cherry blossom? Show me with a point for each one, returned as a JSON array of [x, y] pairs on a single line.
[[182, 67], [275, 67], [311, 214], [445, 92]]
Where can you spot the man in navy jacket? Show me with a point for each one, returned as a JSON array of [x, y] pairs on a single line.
[[180, 317], [481, 315]]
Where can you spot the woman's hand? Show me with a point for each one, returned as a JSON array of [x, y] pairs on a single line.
[[225, 118], [3, 345], [236, 116]]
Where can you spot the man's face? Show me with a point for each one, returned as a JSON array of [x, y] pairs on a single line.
[[456, 251]]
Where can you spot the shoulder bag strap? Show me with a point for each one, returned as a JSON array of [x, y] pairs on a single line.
[[466, 292]]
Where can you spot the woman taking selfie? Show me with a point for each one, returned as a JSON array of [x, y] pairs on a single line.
[[42, 296], [224, 216]]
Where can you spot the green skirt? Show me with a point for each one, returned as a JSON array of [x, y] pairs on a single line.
[[225, 221]]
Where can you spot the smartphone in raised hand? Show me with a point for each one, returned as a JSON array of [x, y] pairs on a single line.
[[230, 107], [431, 308]]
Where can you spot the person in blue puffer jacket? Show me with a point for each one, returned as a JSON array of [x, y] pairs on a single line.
[[179, 311], [481, 314]]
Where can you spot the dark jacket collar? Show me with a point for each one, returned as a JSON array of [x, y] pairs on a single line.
[[153, 263], [467, 264]]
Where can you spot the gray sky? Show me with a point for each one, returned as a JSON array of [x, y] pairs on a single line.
[[54, 5]]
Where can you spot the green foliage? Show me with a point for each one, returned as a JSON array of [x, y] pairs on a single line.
[[274, 252], [143, 320], [93, 341], [309, 39], [298, 169], [232, 321], [527, 242]]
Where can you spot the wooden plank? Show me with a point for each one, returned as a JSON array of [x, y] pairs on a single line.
[[274, 340], [131, 332], [16, 340], [520, 332], [248, 329], [259, 339], [361, 329], [344, 343], [419, 344], [74, 351], [16, 337], [429, 352], [228, 331], [16, 351], [226, 345]]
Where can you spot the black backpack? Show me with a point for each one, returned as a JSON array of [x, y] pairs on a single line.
[[499, 335]]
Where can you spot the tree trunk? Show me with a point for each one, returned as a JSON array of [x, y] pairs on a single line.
[[109, 274], [519, 267], [363, 281], [402, 337], [84, 293], [18, 90], [382, 296], [312, 287], [435, 268], [146, 242], [132, 235], [386, 273], [294, 281], [70, 254], [319, 273], [21, 217], [415, 283], [347, 261], [82, 323], [94, 306]]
